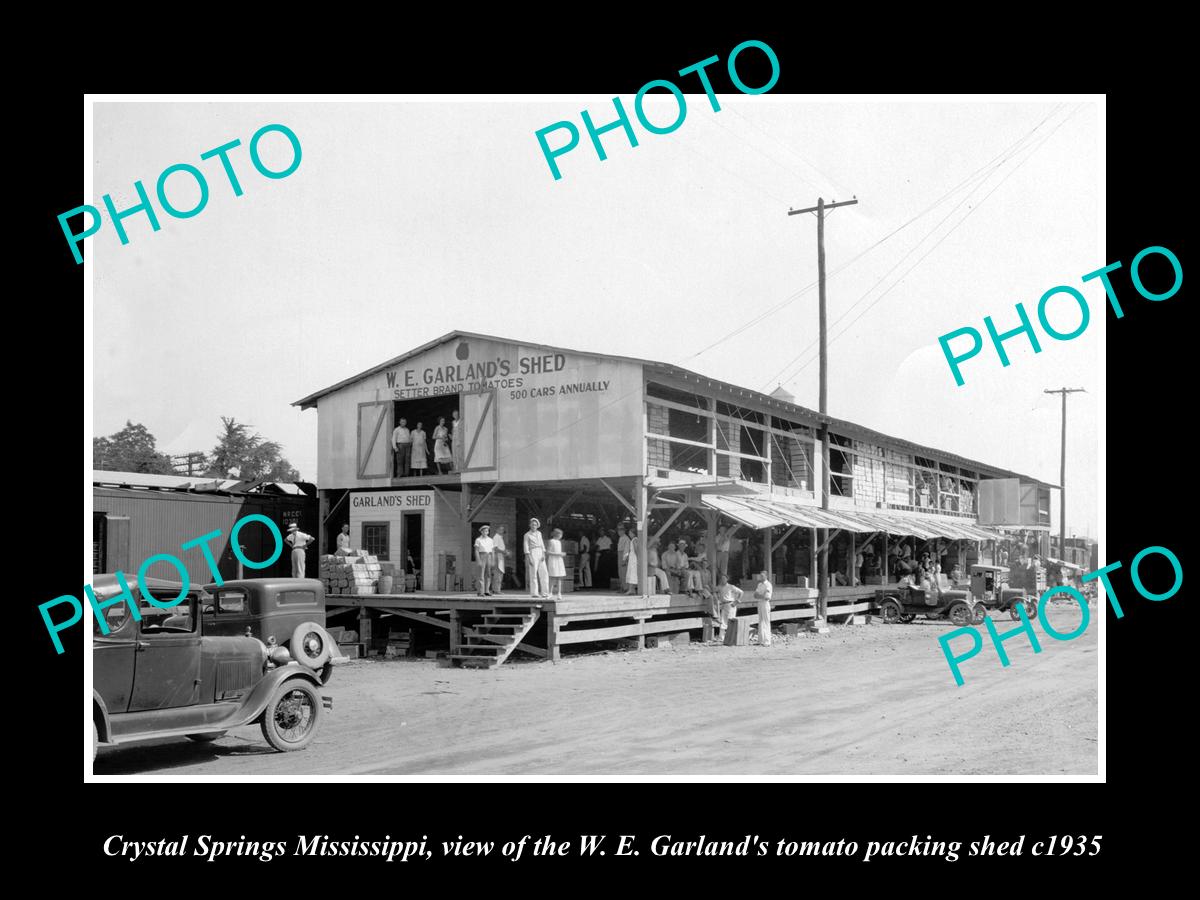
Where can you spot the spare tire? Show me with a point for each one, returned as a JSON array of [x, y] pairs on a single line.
[[311, 645]]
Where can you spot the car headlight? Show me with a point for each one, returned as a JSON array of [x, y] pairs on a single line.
[[280, 656]]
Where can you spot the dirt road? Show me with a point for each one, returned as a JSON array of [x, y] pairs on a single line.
[[874, 699]]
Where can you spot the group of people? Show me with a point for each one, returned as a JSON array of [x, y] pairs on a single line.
[[410, 447], [678, 569]]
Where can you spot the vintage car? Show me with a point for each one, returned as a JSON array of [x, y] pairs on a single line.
[[904, 602], [989, 586], [178, 672]]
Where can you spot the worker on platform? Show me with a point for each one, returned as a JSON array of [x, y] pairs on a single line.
[[484, 551], [727, 598], [499, 559], [297, 540], [537, 577], [343, 541]]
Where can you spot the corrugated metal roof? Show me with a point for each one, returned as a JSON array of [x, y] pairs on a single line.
[[186, 482]]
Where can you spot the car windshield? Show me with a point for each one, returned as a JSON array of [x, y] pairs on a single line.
[[153, 617]]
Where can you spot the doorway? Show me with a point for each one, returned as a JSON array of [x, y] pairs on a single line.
[[414, 544]]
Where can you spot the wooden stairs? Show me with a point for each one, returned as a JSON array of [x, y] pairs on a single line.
[[489, 643]]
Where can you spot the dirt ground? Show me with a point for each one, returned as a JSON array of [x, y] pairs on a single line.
[[873, 699]]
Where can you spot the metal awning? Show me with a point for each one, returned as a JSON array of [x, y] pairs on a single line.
[[741, 511]]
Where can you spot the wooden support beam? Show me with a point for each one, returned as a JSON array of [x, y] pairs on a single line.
[[567, 505], [787, 534], [335, 506], [455, 631], [419, 617], [450, 506], [629, 506], [829, 540], [474, 509], [497, 639], [552, 651], [667, 524], [338, 610]]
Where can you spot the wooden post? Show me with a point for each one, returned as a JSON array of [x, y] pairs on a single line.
[[323, 513], [552, 649], [853, 555], [884, 571], [455, 631], [364, 627], [767, 550], [812, 557], [643, 523]]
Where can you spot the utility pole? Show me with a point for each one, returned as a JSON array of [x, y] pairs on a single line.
[[823, 558], [1062, 472]]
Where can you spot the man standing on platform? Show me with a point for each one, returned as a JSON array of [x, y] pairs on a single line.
[[402, 445], [499, 554], [484, 549], [727, 598], [762, 593], [537, 576]]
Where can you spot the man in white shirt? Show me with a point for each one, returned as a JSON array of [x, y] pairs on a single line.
[[343, 541], [402, 445], [485, 547], [499, 558], [762, 593], [723, 540], [297, 540]]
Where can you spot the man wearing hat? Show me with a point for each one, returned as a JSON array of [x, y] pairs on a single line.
[[297, 540], [537, 576], [485, 547]]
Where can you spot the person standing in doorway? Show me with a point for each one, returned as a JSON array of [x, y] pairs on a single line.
[[585, 561], [420, 451], [343, 542], [556, 565], [603, 554], [537, 578], [762, 593], [484, 549], [297, 540], [458, 438], [499, 559], [402, 448], [441, 447]]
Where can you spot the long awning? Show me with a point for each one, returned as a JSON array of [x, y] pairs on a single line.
[[763, 512], [742, 512]]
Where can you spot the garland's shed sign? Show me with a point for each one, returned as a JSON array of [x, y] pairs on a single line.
[[527, 413]]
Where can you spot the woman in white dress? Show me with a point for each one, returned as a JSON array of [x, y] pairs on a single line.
[[631, 564], [556, 563], [441, 447], [420, 450]]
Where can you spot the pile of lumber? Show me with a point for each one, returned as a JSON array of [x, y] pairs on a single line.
[[356, 573]]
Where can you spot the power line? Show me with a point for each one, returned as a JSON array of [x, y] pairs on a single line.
[[1003, 156], [952, 229]]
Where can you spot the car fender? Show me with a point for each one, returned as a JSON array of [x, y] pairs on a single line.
[[100, 717], [256, 701]]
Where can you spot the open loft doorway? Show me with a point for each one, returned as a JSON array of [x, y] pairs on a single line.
[[422, 457]]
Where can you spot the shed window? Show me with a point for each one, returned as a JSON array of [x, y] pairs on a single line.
[[375, 539]]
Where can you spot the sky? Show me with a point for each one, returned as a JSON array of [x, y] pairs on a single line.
[[407, 220]]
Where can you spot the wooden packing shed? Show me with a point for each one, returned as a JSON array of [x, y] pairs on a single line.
[[587, 440]]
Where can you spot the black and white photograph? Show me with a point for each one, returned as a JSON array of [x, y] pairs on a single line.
[[698, 430]]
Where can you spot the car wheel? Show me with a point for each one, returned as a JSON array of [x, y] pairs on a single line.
[[1015, 611], [960, 614], [207, 737], [292, 715], [890, 612], [1031, 609], [980, 614], [311, 645]]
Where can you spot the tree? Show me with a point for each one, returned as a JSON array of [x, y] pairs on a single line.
[[131, 449], [249, 455]]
